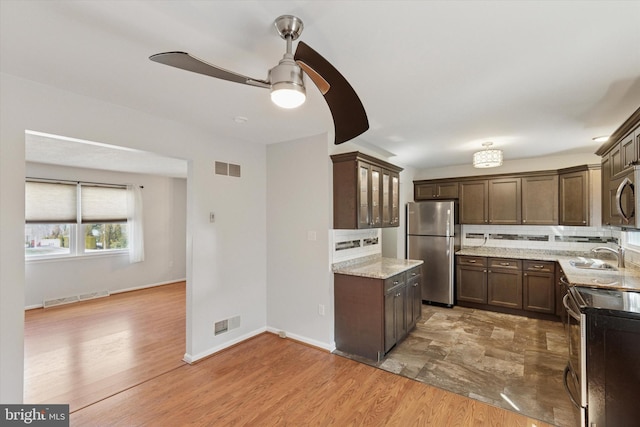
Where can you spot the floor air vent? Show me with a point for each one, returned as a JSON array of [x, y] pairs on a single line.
[[68, 300]]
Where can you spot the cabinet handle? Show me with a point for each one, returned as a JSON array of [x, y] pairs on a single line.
[[395, 282], [413, 274], [524, 220], [488, 271], [538, 266], [584, 222], [505, 263], [525, 274], [415, 284], [471, 261], [484, 271]]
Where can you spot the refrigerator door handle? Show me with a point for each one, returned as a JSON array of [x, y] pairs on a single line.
[[448, 223]]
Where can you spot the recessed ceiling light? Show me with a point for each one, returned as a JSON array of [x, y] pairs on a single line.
[[240, 120], [603, 138]]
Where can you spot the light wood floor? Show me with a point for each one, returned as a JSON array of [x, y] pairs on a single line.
[[263, 381]]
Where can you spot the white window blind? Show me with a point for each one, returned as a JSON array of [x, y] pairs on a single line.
[[48, 202], [103, 204]]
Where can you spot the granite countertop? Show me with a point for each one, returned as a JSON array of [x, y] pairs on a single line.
[[375, 266], [623, 279]]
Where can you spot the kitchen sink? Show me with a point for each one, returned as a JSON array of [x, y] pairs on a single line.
[[592, 264]]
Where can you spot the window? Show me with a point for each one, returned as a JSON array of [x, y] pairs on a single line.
[[633, 239], [47, 239], [72, 219]]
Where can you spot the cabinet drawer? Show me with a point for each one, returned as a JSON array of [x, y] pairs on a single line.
[[393, 281], [414, 272], [505, 263], [543, 266], [472, 260]]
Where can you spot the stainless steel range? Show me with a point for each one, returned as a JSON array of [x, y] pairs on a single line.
[[602, 375]]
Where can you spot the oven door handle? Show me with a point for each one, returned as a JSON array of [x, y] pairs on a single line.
[[569, 310], [566, 387]]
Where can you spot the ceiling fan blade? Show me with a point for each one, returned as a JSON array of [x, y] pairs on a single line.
[[349, 117], [188, 62]]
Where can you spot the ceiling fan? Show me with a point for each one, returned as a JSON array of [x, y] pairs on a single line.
[[286, 82]]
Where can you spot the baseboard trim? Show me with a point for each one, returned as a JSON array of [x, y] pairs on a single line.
[[330, 347], [191, 359], [119, 291], [153, 285]]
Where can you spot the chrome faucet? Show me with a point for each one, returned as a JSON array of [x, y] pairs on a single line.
[[619, 253]]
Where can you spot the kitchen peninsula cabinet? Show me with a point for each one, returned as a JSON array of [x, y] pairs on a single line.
[[414, 297], [395, 308], [372, 315], [366, 192]]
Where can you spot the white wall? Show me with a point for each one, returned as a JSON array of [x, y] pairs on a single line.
[[164, 210], [299, 179], [226, 261], [510, 166]]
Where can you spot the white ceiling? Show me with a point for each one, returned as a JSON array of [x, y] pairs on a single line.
[[437, 78]]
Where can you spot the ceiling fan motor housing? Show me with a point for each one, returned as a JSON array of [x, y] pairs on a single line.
[[288, 73]]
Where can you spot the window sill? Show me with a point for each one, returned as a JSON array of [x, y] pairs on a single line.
[[36, 259]]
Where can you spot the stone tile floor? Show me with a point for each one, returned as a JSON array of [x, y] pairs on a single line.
[[512, 362]]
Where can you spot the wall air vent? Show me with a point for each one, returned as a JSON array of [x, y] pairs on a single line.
[[226, 325], [222, 168]]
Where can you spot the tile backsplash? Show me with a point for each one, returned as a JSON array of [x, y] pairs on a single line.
[[350, 244], [553, 237]]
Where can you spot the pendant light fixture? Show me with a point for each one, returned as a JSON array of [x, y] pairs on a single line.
[[487, 158]]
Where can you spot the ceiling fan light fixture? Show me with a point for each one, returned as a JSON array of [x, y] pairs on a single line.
[[288, 95], [487, 158]]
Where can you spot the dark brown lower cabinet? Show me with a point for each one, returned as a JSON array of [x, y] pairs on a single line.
[[414, 291], [613, 369], [509, 285], [395, 324], [539, 287], [504, 283], [372, 315], [471, 279]]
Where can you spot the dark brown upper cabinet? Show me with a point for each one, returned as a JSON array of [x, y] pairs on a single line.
[[474, 202], [504, 201], [366, 192], [619, 156], [490, 201], [540, 200], [531, 198], [574, 197], [435, 190]]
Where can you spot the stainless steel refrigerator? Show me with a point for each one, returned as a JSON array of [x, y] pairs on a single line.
[[433, 235]]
